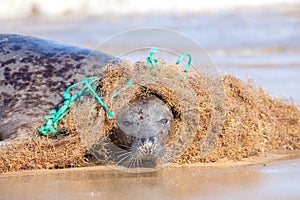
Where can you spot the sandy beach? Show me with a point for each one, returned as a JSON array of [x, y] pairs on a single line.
[[271, 177]]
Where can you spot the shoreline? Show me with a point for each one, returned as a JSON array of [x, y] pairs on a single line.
[[275, 180]]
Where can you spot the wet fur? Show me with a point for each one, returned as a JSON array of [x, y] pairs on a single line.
[[34, 73]]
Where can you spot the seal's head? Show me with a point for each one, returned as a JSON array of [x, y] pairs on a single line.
[[144, 128]]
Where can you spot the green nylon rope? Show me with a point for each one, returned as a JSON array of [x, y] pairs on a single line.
[[52, 120], [185, 54], [153, 61], [130, 81], [110, 114]]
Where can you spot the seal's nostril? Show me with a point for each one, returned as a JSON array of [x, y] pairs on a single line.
[[143, 140], [151, 139]]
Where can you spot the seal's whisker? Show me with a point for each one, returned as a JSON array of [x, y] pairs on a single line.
[[136, 163], [139, 162], [127, 155], [122, 153], [163, 160], [122, 159], [130, 162], [166, 159]]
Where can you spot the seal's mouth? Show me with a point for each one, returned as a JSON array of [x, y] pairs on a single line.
[[148, 148], [134, 152], [145, 152]]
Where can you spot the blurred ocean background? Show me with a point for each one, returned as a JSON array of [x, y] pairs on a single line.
[[252, 39]]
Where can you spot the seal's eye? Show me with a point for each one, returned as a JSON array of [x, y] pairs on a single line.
[[127, 123], [163, 121]]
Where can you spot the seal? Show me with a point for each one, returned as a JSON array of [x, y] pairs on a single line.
[[33, 74]]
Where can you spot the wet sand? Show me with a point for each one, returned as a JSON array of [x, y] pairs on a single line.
[[279, 179]]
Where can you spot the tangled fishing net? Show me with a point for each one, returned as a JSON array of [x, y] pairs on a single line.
[[253, 122]]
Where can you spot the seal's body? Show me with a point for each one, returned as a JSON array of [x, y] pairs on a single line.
[[34, 73]]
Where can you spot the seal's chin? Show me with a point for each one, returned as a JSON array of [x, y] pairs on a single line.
[[148, 149]]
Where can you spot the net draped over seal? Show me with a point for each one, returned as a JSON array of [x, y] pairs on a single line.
[[254, 121], [125, 83], [166, 82]]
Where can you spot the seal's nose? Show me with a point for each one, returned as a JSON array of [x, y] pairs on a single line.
[[148, 144]]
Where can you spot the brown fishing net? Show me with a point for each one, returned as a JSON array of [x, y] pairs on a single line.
[[254, 122]]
